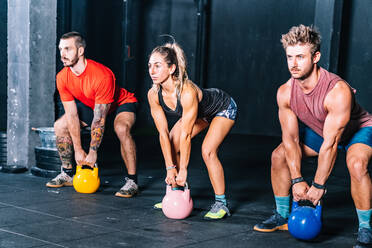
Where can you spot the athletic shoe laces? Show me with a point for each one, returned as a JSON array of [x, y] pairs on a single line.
[[217, 206], [129, 184], [62, 177], [276, 217]]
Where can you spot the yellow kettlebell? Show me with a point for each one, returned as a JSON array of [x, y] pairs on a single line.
[[86, 179]]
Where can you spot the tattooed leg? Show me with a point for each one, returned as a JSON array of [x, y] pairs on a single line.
[[65, 150]]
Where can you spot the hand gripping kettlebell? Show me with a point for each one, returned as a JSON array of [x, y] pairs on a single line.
[[177, 204], [86, 179], [305, 222]]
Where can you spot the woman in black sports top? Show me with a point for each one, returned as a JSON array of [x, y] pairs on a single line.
[[174, 94]]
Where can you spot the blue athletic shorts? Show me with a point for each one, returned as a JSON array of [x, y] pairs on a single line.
[[230, 112], [314, 141]]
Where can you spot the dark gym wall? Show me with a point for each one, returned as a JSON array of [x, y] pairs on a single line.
[[244, 53], [176, 18], [356, 49], [103, 22], [246, 58], [3, 64], [100, 22]]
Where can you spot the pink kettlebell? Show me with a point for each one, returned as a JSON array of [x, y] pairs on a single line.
[[177, 204]]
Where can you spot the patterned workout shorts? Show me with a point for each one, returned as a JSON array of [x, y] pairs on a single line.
[[230, 112]]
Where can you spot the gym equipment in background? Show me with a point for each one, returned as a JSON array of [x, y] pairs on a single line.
[[48, 163]]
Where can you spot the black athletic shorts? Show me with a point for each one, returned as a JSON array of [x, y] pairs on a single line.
[[86, 114]]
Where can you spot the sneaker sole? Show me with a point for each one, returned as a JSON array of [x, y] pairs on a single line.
[[212, 219], [59, 186], [208, 218], [124, 196], [278, 228]]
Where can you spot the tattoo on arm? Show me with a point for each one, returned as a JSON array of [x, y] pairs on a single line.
[[98, 125], [65, 150]]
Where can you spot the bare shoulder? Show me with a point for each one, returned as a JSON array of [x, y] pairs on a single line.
[[189, 86], [152, 95], [341, 87], [284, 93], [189, 91], [340, 94]]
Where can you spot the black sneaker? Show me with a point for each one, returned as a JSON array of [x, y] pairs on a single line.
[[275, 222], [364, 239]]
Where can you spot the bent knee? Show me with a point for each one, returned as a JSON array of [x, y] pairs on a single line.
[[278, 157], [60, 125], [208, 153], [122, 129], [357, 168]]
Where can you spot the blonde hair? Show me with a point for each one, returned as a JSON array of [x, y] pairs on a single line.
[[174, 55], [302, 35]]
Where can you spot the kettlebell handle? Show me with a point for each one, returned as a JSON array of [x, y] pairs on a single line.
[[85, 166], [169, 187], [186, 186], [296, 205], [317, 210]]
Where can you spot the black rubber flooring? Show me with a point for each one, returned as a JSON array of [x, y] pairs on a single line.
[[32, 215]]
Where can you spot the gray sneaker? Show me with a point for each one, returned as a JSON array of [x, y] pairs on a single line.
[[218, 211], [129, 189], [364, 238], [60, 180]]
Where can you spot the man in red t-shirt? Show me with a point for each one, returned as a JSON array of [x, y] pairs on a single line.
[[90, 97]]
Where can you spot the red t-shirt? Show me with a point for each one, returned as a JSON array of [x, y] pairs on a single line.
[[96, 85]]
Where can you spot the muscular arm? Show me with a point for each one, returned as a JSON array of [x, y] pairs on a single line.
[[73, 123], [97, 130], [290, 136], [189, 102], [338, 105], [161, 124], [98, 125]]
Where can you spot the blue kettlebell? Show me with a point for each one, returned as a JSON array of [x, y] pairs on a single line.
[[305, 222]]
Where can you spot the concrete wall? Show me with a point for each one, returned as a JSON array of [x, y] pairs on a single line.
[[3, 64], [31, 75]]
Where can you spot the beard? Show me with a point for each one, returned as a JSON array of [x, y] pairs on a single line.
[[70, 62], [302, 76]]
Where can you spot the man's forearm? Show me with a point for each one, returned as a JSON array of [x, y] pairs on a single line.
[[326, 160], [293, 157], [98, 125], [97, 130]]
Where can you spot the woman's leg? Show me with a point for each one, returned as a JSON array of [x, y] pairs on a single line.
[[175, 133], [219, 128]]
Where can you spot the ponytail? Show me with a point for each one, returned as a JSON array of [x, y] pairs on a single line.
[[180, 74], [174, 55]]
